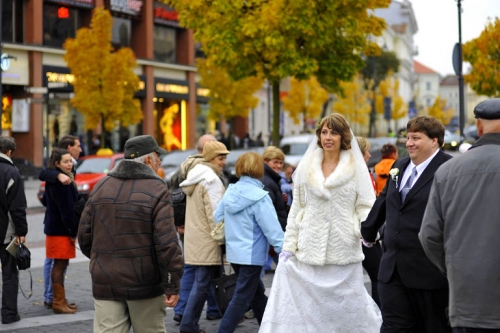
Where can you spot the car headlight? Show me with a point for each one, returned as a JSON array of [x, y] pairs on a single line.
[[454, 143], [83, 187]]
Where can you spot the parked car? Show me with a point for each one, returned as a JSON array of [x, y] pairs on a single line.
[[173, 160], [295, 146], [451, 140], [90, 169]]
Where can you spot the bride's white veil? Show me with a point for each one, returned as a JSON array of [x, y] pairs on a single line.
[[365, 190]]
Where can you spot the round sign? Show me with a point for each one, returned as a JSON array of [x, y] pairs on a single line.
[[4, 62]]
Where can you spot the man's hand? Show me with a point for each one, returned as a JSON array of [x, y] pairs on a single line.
[[367, 244], [285, 197], [180, 230], [63, 179], [19, 239], [171, 300]]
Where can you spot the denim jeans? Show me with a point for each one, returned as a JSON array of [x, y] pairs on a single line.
[[203, 282], [47, 282], [186, 286], [249, 291]]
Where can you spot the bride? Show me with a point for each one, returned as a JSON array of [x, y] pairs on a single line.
[[318, 285]]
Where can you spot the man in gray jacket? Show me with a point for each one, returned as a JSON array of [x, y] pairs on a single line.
[[461, 227]]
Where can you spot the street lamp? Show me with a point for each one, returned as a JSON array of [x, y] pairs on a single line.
[[457, 64]]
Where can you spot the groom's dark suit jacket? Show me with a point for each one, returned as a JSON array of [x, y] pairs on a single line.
[[401, 246]]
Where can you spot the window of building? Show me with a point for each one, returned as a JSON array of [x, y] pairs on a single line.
[[121, 32], [198, 52], [429, 102], [164, 47], [428, 85], [12, 21], [59, 23]]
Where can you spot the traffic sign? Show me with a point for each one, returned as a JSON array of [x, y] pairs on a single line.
[[37, 90]]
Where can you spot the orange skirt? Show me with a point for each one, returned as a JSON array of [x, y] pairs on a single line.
[[59, 247]]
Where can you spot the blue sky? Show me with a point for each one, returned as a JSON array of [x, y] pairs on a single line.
[[437, 34]]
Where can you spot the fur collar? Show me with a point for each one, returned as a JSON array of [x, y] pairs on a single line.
[[344, 172], [133, 170]]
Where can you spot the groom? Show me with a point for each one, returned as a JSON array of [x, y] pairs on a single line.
[[413, 292]]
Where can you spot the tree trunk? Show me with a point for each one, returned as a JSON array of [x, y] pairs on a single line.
[[276, 114]]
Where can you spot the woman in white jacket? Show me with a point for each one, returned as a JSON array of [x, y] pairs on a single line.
[[318, 285]]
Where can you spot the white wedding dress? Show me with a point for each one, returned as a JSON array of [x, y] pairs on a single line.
[[319, 299]]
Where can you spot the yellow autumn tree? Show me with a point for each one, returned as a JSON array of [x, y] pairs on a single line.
[[439, 111], [228, 98], [279, 39], [104, 80], [483, 54], [305, 98], [354, 104]]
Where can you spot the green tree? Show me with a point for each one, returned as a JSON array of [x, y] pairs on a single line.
[[483, 53], [278, 39], [104, 81], [306, 98], [376, 69]]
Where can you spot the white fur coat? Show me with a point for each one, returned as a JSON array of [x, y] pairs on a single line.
[[324, 222]]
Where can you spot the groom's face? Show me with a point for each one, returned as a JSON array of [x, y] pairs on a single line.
[[420, 146]]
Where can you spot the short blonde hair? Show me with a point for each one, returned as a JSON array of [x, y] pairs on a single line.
[[250, 164], [364, 144], [271, 153]]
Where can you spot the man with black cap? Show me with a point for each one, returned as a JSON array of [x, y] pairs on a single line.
[[127, 230], [461, 227]]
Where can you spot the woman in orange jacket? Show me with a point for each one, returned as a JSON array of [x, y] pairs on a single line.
[[382, 168]]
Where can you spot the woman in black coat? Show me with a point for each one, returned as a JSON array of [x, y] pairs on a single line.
[[273, 163]]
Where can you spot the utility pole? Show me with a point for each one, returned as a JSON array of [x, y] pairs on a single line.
[[459, 73]]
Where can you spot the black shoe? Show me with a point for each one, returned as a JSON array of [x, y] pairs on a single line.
[[214, 317], [15, 319], [178, 318]]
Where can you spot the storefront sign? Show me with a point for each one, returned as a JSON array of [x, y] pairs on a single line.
[[60, 77], [172, 88], [131, 7], [165, 15], [75, 3], [202, 92]]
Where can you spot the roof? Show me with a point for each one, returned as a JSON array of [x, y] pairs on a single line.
[[422, 69], [449, 80]]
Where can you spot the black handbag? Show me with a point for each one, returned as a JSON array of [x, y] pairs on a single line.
[[23, 257], [225, 286], [23, 262]]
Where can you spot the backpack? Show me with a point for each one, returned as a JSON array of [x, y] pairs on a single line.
[[179, 203]]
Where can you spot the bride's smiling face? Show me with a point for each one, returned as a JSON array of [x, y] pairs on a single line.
[[330, 139]]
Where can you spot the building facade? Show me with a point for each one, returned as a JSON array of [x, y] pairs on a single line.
[[33, 32]]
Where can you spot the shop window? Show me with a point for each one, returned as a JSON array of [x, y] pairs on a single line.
[[12, 21], [198, 52], [59, 23], [164, 44], [121, 32]]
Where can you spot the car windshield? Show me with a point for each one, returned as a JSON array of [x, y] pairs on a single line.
[[176, 158], [297, 148], [96, 165], [236, 153]]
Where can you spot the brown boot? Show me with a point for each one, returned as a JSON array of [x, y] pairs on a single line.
[[71, 305], [59, 304]]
